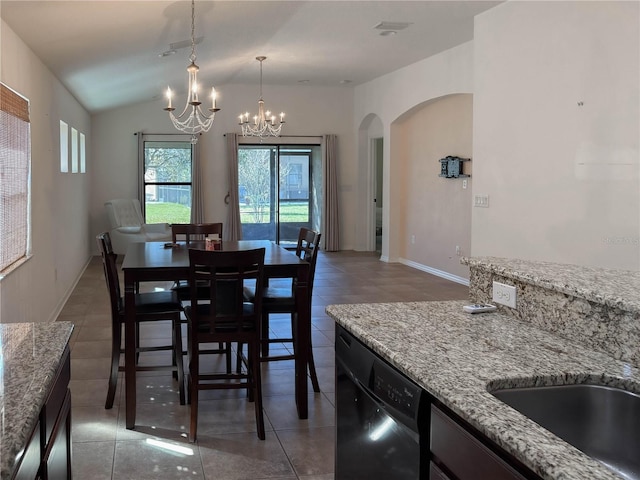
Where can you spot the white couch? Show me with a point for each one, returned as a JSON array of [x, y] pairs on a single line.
[[127, 225]]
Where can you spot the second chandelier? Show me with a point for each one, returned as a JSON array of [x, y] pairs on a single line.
[[264, 124]]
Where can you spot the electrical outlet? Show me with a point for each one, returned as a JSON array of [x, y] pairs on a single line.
[[413, 239], [458, 250], [504, 294]]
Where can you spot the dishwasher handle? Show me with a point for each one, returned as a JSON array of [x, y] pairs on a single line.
[[353, 357], [369, 393]]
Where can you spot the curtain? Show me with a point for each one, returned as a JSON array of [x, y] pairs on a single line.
[[197, 207], [233, 230], [141, 198], [331, 234]]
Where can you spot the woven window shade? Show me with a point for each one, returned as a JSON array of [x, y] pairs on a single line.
[[15, 154]]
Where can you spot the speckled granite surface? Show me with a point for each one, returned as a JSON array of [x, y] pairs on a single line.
[[597, 307], [619, 289], [31, 354], [457, 356]]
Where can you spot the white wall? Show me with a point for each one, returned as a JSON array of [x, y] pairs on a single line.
[[563, 179], [436, 211], [309, 111], [389, 98], [37, 290], [556, 132]]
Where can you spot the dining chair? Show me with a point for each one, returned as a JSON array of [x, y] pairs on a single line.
[[150, 307], [192, 232], [228, 318], [189, 232], [197, 232], [279, 299]]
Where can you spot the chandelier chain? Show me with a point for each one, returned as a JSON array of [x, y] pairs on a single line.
[[192, 57], [261, 78]]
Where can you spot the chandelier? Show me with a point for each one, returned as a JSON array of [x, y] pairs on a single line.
[[264, 123], [193, 120]]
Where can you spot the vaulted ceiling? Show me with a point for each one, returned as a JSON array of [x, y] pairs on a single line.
[[109, 53]]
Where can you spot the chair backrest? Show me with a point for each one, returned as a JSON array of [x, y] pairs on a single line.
[[191, 232], [307, 249], [226, 273], [110, 272], [124, 212]]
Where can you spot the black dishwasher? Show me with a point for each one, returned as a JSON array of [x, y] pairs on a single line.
[[382, 417]]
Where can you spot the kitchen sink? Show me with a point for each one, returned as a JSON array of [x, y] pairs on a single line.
[[601, 421]]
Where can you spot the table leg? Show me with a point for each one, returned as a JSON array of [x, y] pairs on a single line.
[[303, 337], [130, 351]]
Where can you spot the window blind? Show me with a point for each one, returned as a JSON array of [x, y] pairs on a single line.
[[15, 155]]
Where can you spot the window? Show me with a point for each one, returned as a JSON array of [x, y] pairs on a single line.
[[167, 180], [15, 179], [64, 147], [83, 154], [74, 150]]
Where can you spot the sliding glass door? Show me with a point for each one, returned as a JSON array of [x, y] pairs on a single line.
[[275, 191]]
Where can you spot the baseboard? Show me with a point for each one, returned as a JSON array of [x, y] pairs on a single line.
[[435, 271], [63, 302]]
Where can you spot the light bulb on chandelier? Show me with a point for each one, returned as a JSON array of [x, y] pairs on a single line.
[[193, 120], [264, 123]]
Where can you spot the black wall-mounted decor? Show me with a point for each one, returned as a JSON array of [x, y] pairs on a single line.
[[451, 167]]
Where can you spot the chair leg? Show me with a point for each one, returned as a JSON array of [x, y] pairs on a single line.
[[256, 387], [264, 335], [177, 353], [312, 370], [311, 362], [137, 342], [116, 339], [239, 358], [193, 393], [227, 349]]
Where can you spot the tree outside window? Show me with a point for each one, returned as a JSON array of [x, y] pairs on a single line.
[[167, 181]]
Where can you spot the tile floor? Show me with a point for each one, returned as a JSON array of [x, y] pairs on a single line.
[[227, 446]]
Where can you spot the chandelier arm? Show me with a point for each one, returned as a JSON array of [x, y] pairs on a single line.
[[186, 107]]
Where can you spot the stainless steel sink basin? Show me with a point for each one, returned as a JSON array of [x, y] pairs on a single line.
[[602, 422]]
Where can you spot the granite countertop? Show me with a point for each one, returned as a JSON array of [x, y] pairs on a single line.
[[614, 288], [30, 355], [457, 357]]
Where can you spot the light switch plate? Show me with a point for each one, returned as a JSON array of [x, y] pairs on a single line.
[[481, 201], [504, 294]]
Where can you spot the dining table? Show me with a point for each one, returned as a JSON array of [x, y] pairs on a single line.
[[159, 261]]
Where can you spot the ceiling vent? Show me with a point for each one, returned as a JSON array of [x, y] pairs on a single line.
[[185, 43], [392, 26]]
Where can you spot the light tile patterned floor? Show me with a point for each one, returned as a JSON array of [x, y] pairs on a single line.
[[228, 447]]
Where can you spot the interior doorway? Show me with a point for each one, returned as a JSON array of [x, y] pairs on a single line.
[[377, 191]]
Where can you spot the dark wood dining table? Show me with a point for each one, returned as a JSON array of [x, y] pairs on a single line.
[[152, 261]]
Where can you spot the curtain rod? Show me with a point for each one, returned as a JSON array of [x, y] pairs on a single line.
[[163, 134], [291, 136]]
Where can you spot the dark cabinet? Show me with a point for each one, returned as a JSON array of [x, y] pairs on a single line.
[[458, 452], [48, 453], [436, 474]]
